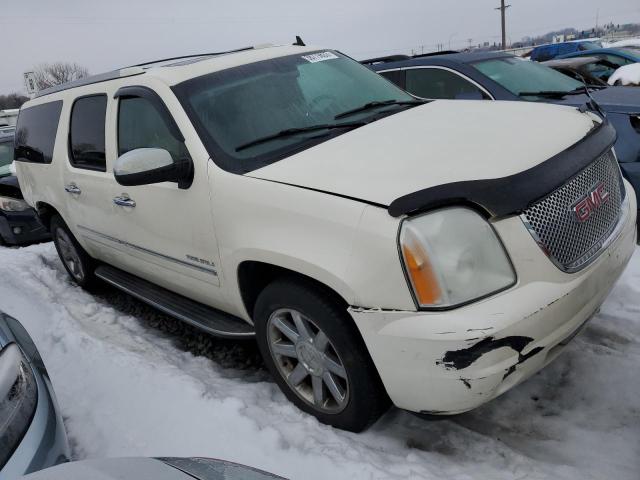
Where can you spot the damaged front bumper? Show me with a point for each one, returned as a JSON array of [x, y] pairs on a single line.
[[452, 361]]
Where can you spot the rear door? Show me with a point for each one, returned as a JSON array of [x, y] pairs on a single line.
[[87, 176]]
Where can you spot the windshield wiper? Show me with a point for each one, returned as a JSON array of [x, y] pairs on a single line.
[[295, 131], [378, 103], [555, 93]]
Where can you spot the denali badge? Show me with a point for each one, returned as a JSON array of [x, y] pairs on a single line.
[[587, 205]]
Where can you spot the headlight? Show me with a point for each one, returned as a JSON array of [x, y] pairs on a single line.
[[18, 399], [9, 204], [453, 256]]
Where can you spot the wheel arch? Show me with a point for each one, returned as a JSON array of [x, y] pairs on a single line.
[[46, 212], [254, 275]]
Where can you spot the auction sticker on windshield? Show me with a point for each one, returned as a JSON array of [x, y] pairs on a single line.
[[319, 57]]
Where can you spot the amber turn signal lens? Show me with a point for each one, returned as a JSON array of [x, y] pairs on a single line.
[[425, 283]]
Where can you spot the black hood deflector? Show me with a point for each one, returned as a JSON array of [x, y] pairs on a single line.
[[510, 195]]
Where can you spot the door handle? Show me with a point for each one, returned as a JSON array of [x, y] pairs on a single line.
[[73, 189], [124, 202]]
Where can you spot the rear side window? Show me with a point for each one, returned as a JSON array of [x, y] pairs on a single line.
[[35, 134], [435, 83], [141, 126], [86, 133]]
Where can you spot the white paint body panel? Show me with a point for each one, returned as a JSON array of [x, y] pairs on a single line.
[[440, 142], [225, 219]]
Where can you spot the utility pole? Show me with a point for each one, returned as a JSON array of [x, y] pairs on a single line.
[[503, 11]]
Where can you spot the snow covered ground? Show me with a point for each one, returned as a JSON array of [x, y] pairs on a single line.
[[132, 382]]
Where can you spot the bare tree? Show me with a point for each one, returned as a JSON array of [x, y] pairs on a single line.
[[51, 74], [13, 100]]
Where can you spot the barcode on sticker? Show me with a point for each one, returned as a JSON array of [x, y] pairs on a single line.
[[319, 57]]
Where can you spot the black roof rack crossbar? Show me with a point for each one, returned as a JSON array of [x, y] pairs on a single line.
[[389, 58], [399, 58], [433, 54]]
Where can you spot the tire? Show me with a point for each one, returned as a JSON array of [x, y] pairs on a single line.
[[328, 356], [76, 261]]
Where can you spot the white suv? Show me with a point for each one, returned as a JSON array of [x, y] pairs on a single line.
[[378, 248]]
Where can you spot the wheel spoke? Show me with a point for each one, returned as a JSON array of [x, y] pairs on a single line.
[[298, 374], [284, 349], [335, 367], [318, 391], [334, 387], [285, 329], [321, 341], [301, 326]]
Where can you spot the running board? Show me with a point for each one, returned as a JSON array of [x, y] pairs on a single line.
[[206, 318]]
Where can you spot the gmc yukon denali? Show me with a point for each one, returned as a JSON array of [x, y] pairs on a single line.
[[380, 249]]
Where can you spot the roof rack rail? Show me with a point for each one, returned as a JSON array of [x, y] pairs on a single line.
[[127, 72], [195, 55], [389, 58]]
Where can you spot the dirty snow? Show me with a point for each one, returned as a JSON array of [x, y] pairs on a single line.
[[626, 75], [132, 382]]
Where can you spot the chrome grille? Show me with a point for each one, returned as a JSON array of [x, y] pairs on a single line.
[[553, 222]]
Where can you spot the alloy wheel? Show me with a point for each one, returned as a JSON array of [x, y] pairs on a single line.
[[307, 360], [69, 255]]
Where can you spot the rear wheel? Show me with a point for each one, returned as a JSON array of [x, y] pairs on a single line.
[[317, 357], [76, 261]]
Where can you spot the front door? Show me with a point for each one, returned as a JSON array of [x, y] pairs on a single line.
[[168, 230]]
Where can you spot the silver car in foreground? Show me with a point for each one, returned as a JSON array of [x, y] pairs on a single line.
[[32, 435], [152, 468]]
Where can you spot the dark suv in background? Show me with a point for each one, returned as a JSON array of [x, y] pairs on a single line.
[[19, 224]]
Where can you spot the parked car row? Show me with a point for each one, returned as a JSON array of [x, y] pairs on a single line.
[[361, 232]]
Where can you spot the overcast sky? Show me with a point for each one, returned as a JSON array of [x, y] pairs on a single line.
[[104, 35]]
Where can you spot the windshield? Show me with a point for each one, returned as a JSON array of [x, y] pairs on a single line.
[[6, 157], [233, 108], [518, 75]]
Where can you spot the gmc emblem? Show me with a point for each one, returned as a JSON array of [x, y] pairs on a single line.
[[587, 205]]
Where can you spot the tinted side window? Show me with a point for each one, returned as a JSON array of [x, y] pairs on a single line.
[[141, 126], [440, 84], [396, 76], [86, 133], [35, 134]]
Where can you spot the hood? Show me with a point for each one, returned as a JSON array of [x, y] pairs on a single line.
[[610, 99], [438, 143]]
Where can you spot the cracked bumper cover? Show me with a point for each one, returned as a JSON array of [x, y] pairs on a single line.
[[453, 361]]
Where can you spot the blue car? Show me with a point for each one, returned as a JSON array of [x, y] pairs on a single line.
[[543, 53], [501, 76], [32, 435]]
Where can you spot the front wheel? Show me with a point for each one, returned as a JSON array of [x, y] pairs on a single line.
[[317, 357], [77, 262]]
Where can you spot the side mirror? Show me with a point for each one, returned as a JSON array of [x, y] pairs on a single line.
[[145, 166]]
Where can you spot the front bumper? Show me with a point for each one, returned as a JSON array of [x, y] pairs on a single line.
[[21, 228], [453, 361]]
